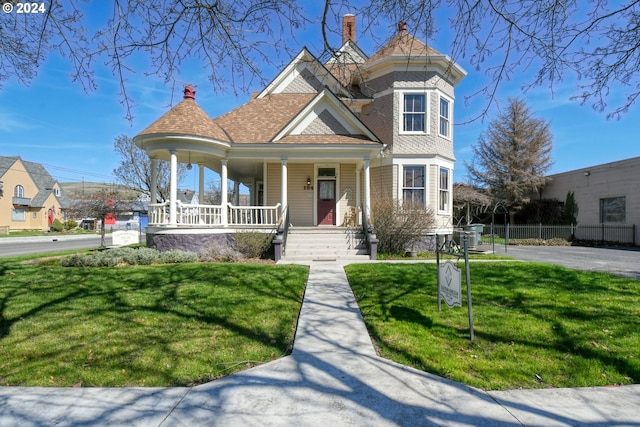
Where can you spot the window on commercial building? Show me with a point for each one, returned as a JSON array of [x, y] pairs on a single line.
[[613, 209], [445, 122], [413, 185], [443, 187], [414, 113]]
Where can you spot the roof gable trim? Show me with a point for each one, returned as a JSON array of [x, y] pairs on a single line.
[[325, 101]]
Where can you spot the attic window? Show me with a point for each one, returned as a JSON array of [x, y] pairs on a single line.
[[414, 113]]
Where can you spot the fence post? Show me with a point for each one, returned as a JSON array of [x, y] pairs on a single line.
[[602, 235], [506, 238], [540, 231]]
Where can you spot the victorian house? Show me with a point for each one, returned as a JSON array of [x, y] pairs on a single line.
[[316, 145]]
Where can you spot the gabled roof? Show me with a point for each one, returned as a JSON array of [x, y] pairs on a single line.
[[260, 119], [291, 118], [305, 60], [326, 115], [6, 163], [40, 177], [186, 118]]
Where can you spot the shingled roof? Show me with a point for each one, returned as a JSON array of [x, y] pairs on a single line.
[[260, 119], [186, 118], [403, 44]]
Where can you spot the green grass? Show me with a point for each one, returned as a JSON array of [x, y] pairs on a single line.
[[166, 325], [536, 325]]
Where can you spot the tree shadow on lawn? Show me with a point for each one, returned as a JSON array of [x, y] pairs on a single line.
[[558, 297], [132, 300]]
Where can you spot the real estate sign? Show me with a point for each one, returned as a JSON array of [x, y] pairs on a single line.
[[450, 284]]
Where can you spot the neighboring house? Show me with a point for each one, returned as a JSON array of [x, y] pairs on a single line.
[[605, 194], [318, 143], [31, 199]]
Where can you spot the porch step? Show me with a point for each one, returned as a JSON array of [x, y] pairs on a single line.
[[324, 244]]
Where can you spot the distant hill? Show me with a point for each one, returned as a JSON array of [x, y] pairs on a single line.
[[84, 189]]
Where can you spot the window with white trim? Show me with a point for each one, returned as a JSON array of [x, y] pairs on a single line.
[[443, 188], [413, 184], [445, 117], [18, 214], [18, 191], [414, 112]]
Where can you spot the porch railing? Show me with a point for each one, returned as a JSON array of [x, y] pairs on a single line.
[[211, 215], [250, 215]]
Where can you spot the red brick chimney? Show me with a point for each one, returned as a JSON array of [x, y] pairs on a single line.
[[189, 92], [402, 26], [348, 28]]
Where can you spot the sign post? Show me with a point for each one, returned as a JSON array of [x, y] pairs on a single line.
[[449, 277]]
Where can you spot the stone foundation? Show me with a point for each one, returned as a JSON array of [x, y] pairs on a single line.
[[188, 242]]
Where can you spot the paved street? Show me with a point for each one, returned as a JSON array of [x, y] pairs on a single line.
[[623, 262], [13, 246]]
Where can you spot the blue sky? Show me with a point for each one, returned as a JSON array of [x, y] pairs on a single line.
[[53, 122]]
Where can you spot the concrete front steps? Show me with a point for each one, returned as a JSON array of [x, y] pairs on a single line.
[[325, 244]]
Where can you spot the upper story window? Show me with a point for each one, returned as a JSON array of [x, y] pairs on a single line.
[[413, 186], [18, 191], [443, 187], [445, 117], [414, 112]]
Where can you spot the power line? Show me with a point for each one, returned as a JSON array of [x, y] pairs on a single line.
[[76, 171]]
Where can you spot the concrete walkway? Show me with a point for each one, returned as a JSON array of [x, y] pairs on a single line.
[[332, 378]]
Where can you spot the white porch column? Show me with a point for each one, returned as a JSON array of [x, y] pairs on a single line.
[[283, 188], [358, 197], [173, 188], [201, 183], [367, 189], [153, 191], [224, 191]]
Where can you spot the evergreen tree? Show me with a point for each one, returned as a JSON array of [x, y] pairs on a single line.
[[512, 156]]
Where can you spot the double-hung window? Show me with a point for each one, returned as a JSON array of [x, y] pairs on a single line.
[[445, 117], [443, 188], [414, 112], [413, 185]]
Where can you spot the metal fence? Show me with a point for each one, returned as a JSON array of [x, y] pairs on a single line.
[[609, 233]]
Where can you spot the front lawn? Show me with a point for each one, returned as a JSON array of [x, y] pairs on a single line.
[[536, 325], [165, 325]]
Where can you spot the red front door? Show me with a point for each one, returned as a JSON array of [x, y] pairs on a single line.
[[326, 202]]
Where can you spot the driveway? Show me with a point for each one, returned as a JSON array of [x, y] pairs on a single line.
[[622, 262]]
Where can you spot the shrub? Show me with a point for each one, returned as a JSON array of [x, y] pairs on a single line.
[[128, 256], [176, 256], [399, 226], [56, 225], [253, 244], [539, 242], [214, 252], [69, 225]]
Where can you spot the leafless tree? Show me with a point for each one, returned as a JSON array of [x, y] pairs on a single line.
[[595, 42], [102, 205], [512, 157], [134, 170]]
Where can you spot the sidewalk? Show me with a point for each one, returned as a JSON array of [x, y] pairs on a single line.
[[333, 377]]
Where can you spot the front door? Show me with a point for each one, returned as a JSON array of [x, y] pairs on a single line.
[[327, 202]]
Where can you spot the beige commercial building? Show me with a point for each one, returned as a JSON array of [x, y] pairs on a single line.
[[606, 194]]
